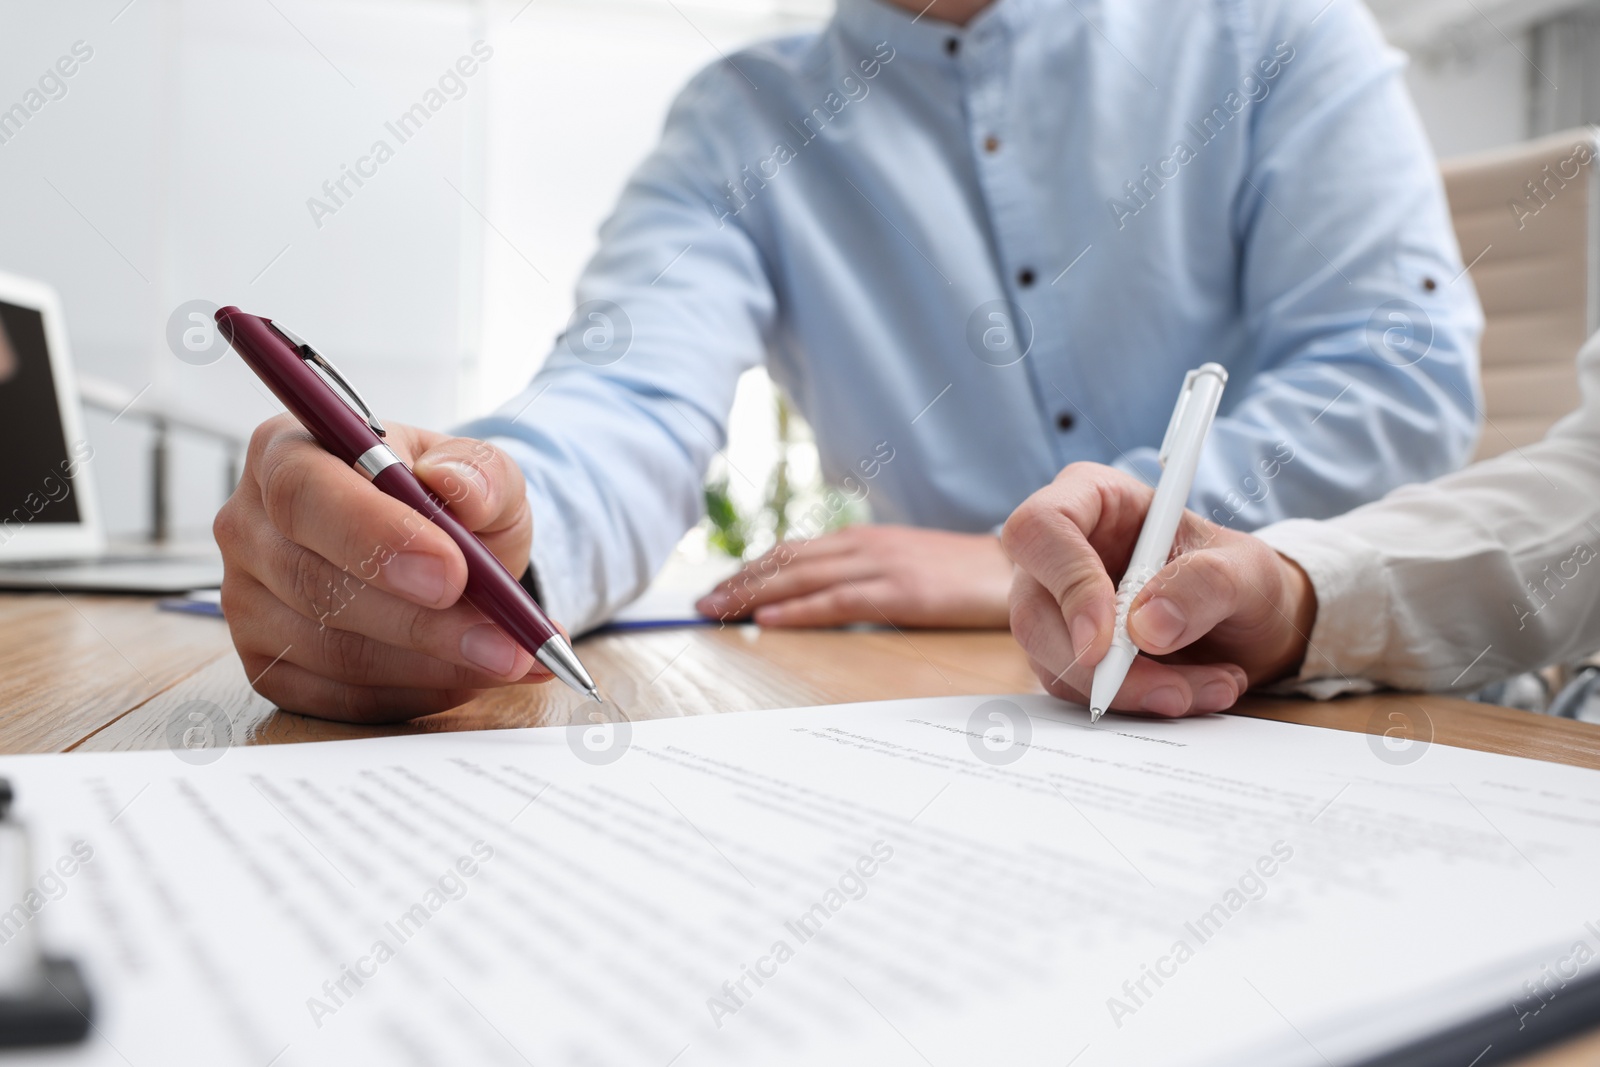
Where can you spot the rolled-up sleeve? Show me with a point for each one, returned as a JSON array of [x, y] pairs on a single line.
[[1364, 325]]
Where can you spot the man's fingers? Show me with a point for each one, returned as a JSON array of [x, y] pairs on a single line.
[[837, 605], [325, 575], [482, 486], [327, 507], [294, 688], [486, 490], [786, 571], [748, 590], [459, 634], [1183, 603], [1056, 686], [272, 629], [1154, 689], [1038, 626], [1170, 690], [1151, 687], [1049, 537]]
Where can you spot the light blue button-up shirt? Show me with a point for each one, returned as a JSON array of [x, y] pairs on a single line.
[[988, 252]]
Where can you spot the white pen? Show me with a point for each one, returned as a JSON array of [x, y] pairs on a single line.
[[1179, 456]]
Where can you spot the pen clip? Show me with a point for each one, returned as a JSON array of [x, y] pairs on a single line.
[[1177, 416], [330, 376], [1185, 395]]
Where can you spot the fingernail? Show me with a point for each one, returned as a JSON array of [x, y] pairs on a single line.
[[486, 648], [1083, 631], [416, 576], [1166, 700], [1160, 622], [1214, 696], [1239, 677]]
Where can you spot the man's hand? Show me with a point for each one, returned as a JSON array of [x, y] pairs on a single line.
[[1226, 613], [877, 574], [345, 603]]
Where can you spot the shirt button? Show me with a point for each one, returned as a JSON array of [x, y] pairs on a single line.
[[991, 144], [1065, 421], [1025, 277], [952, 45], [1429, 284]]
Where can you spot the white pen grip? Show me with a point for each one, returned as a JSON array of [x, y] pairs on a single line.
[[1134, 580]]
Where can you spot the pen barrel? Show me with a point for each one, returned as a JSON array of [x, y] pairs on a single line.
[[490, 587], [1197, 407]]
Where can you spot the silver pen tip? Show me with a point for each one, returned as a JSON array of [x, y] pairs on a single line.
[[559, 659], [594, 695], [1095, 713]]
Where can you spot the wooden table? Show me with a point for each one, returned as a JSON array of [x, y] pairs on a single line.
[[99, 673]]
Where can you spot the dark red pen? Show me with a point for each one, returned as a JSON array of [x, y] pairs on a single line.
[[328, 406]]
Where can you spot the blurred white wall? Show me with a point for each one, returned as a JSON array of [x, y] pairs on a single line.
[[1487, 73], [1472, 101], [576, 104], [179, 164]]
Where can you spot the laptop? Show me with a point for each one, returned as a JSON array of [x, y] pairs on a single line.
[[51, 536]]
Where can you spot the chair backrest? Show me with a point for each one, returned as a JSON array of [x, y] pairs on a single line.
[[1528, 220]]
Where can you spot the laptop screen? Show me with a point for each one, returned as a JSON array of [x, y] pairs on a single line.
[[36, 477]]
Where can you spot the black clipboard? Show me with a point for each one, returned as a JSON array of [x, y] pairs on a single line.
[[47, 1002], [1502, 1035]]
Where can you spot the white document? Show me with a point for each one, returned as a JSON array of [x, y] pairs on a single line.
[[948, 881]]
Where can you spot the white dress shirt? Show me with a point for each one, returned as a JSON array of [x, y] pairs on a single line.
[[1462, 581]]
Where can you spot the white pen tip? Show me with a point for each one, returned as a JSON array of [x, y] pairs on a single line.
[[1095, 713]]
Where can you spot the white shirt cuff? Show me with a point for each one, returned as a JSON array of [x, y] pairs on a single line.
[[1353, 606], [550, 555]]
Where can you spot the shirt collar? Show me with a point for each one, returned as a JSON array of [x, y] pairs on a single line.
[[869, 22]]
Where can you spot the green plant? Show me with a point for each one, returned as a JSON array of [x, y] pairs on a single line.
[[729, 531], [735, 534]]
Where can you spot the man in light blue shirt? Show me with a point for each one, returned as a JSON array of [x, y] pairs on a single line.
[[993, 250], [973, 242]]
